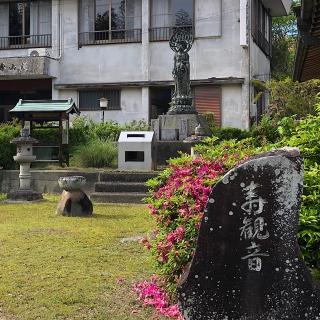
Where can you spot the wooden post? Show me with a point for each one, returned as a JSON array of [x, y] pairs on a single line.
[[60, 147]]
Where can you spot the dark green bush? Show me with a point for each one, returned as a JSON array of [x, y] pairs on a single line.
[[266, 131], [231, 133], [8, 131], [47, 135]]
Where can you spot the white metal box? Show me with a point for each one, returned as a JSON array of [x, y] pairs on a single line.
[[135, 150]]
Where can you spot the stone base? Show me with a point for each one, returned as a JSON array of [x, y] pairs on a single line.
[[24, 195], [177, 127], [74, 204], [170, 149]]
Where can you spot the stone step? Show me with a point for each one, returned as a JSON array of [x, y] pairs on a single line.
[[120, 187], [117, 197], [127, 176]]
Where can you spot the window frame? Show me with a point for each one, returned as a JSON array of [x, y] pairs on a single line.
[[168, 30], [261, 27], [109, 35], [24, 38], [103, 92]]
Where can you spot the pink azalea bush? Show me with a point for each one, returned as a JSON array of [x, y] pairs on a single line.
[[178, 206], [177, 200], [152, 295]]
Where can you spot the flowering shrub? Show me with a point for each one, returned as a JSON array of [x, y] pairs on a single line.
[[151, 294], [177, 201], [179, 194]]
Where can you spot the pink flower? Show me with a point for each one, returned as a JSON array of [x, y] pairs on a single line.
[[152, 295]]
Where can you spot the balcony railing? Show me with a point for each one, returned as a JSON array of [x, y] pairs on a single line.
[[109, 36], [21, 42], [165, 33]]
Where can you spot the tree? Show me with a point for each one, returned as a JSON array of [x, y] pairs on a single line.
[[284, 39]]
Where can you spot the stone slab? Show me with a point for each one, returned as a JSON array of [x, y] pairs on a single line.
[[24, 196], [155, 128], [247, 264], [184, 124], [169, 134], [170, 149]]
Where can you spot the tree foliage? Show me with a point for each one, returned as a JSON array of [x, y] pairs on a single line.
[[284, 38], [289, 98]]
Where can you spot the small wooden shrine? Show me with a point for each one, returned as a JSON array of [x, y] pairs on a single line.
[[50, 115]]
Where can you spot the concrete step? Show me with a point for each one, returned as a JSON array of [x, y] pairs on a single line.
[[120, 187], [117, 197], [127, 176]]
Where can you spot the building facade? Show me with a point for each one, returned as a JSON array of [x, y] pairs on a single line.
[[119, 50]]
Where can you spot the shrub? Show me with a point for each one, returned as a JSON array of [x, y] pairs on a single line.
[[289, 98], [266, 130], [135, 125], [231, 133], [8, 131], [178, 196], [83, 130], [95, 154], [224, 133], [111, 130], [80, 131], [47, 135], [177, 200]]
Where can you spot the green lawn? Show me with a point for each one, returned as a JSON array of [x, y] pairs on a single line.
[[54, 267]]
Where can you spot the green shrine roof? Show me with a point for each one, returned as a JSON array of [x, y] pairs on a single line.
[[67, 106]]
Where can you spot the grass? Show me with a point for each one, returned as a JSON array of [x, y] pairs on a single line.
[[54, 267]]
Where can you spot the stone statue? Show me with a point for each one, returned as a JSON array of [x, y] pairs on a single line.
[[181, 42]]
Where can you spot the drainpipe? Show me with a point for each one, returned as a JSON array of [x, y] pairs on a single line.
[[249, 65], [59, 33]]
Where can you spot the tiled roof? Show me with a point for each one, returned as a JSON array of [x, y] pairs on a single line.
[[67, 106]]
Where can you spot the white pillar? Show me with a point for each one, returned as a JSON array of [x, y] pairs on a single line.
[[146, 102], [55, 31], [145, 40]]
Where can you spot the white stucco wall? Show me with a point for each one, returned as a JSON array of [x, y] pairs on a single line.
[[216, 51], [134, 105], [219, 51], [234, 114], [95, 63]]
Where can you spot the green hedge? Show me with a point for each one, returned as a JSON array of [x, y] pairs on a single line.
[[8, 131]]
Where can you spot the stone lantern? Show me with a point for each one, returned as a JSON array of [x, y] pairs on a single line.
[[24, 157]]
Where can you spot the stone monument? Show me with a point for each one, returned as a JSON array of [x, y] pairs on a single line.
[[181, 119], [24, 157], [247, 264], [74, 202]]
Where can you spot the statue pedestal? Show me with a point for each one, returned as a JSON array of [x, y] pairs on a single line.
[[177, 127]]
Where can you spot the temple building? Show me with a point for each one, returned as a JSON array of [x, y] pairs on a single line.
[[119, 50]]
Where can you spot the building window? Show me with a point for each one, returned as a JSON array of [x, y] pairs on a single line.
[[25, 24], [110, 21], [19, 22], [167, 15], [89, 99], [261, 27]]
